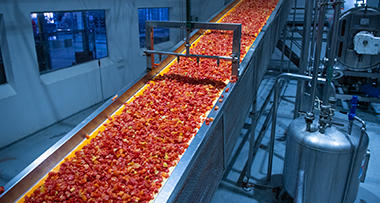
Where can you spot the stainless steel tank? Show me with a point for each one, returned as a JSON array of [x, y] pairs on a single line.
[[325, 160]]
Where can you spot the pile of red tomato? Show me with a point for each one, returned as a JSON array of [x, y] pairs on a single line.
[[128, 161]]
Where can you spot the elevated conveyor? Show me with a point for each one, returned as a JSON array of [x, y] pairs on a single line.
[[201, 167]]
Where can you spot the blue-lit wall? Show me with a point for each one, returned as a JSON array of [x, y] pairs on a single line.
[[30, 101]]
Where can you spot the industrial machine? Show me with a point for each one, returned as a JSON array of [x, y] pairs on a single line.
[[358, 60], [326, 158], [197, 174]]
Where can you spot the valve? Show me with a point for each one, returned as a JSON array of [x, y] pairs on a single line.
[[324, 118], [352, 114], [309, 118]]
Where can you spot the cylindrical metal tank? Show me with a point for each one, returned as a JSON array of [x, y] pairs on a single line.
[[325, 160]]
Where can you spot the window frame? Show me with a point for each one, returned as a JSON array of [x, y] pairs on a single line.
[[81, 28], [142, 29], [3, 73]]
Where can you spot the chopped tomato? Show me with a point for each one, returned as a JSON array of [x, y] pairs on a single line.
[[130, 158]]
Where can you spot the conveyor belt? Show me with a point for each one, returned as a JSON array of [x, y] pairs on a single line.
[[198, 172]]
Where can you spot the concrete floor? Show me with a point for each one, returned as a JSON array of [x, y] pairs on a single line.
[[17, 156]]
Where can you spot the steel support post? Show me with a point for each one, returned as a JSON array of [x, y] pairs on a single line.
[[149, 45], [332, 52], [313, 34], [317, 57], [254, 120]]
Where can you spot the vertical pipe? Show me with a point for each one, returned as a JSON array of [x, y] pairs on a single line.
[[188, 26], [304, 54], [313, 35], [321, 22], [332, 52], [354, 157], [236, 43], [254, 119], [149, 44], [273, 129]]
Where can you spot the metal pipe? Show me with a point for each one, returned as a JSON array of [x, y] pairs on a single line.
[[300, 187], [304, 54], [274, 117], [354, 157], [188, 26], [332, 51], [313, 36], [317, 56]]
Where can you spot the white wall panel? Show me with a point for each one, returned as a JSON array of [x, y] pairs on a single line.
[[30, 101]]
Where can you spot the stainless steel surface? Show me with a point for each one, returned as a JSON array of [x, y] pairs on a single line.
[[203, 161], [300, 187], [317, 56], [355, 157], [352, 22], [274, 117], [326, 160], [363, 172], [304, 54]]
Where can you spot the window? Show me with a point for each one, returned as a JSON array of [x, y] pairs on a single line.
[[64, 39], [160, 34], [2, 72]]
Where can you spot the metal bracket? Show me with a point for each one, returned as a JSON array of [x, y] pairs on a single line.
[[235, 57]]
